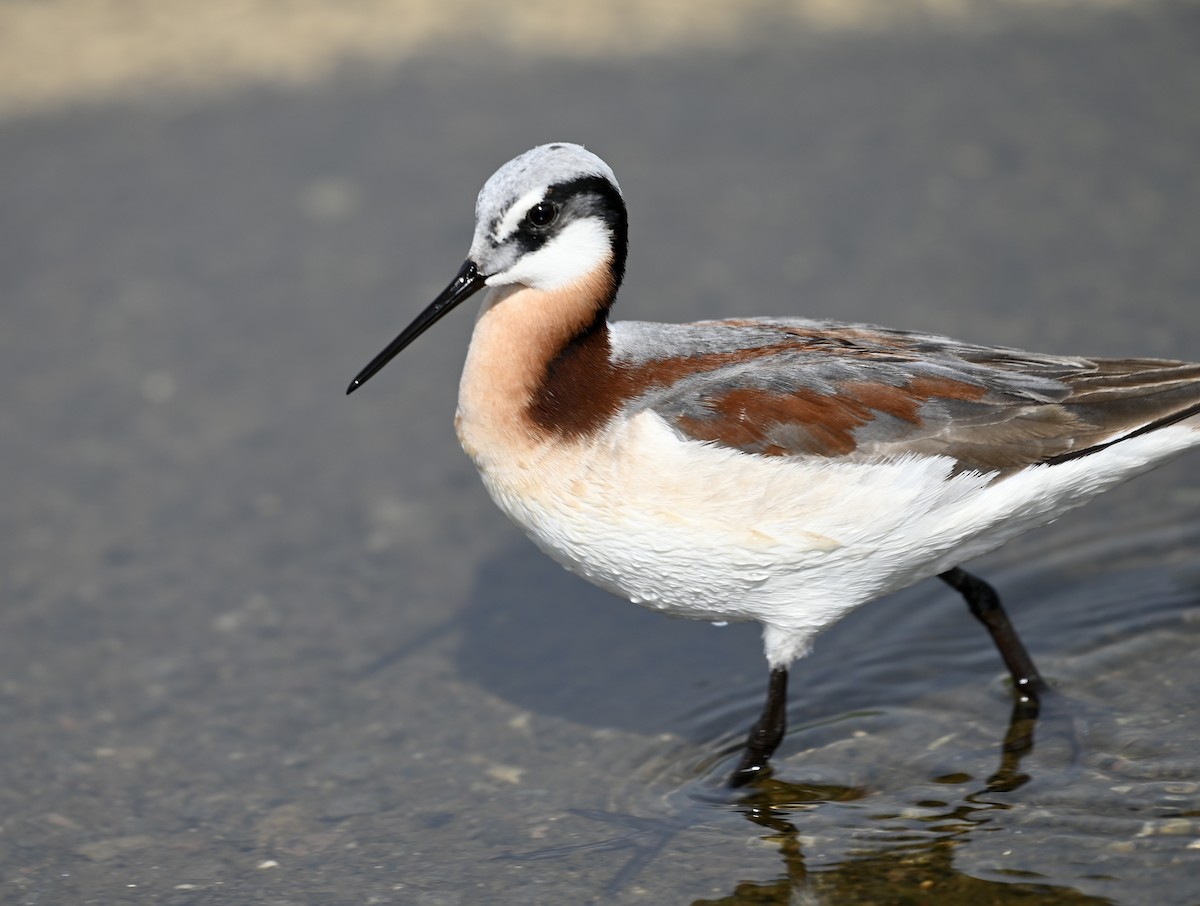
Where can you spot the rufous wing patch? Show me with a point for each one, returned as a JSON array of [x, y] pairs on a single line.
[[851, 390], [808, 422]]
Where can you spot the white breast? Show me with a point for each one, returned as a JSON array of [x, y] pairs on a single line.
[[700, 531]]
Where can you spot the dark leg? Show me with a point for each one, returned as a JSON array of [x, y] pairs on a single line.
[[767, 733], [985, 605]]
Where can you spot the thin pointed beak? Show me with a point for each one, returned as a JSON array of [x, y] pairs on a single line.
[[466, 283]]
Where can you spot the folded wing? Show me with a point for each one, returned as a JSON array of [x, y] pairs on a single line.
[[810, 388]]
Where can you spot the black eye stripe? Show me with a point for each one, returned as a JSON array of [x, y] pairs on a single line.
[[576, 199]]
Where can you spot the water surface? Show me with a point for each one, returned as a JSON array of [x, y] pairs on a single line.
[[261, 644]]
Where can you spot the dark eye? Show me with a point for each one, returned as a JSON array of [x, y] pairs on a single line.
[[542, 214]]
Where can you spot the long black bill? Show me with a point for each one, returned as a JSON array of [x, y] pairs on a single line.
[[466, 283]]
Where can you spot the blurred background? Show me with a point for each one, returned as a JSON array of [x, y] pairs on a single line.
[[260, 643], [59, 52]]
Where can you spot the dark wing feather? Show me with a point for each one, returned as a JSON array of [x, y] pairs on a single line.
[[807, 388]]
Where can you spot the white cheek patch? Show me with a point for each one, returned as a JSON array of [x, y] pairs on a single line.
[[578, 250], [516, 213]]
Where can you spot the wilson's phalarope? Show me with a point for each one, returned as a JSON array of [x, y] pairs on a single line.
[[779, 470]]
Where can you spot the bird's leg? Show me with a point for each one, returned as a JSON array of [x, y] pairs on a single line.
[[767, 732], [1028, 684], [985, 605]]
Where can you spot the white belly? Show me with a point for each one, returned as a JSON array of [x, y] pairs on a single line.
[[700, 531]]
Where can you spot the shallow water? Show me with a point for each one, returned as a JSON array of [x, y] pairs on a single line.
[[260, 644], [893, 786]]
